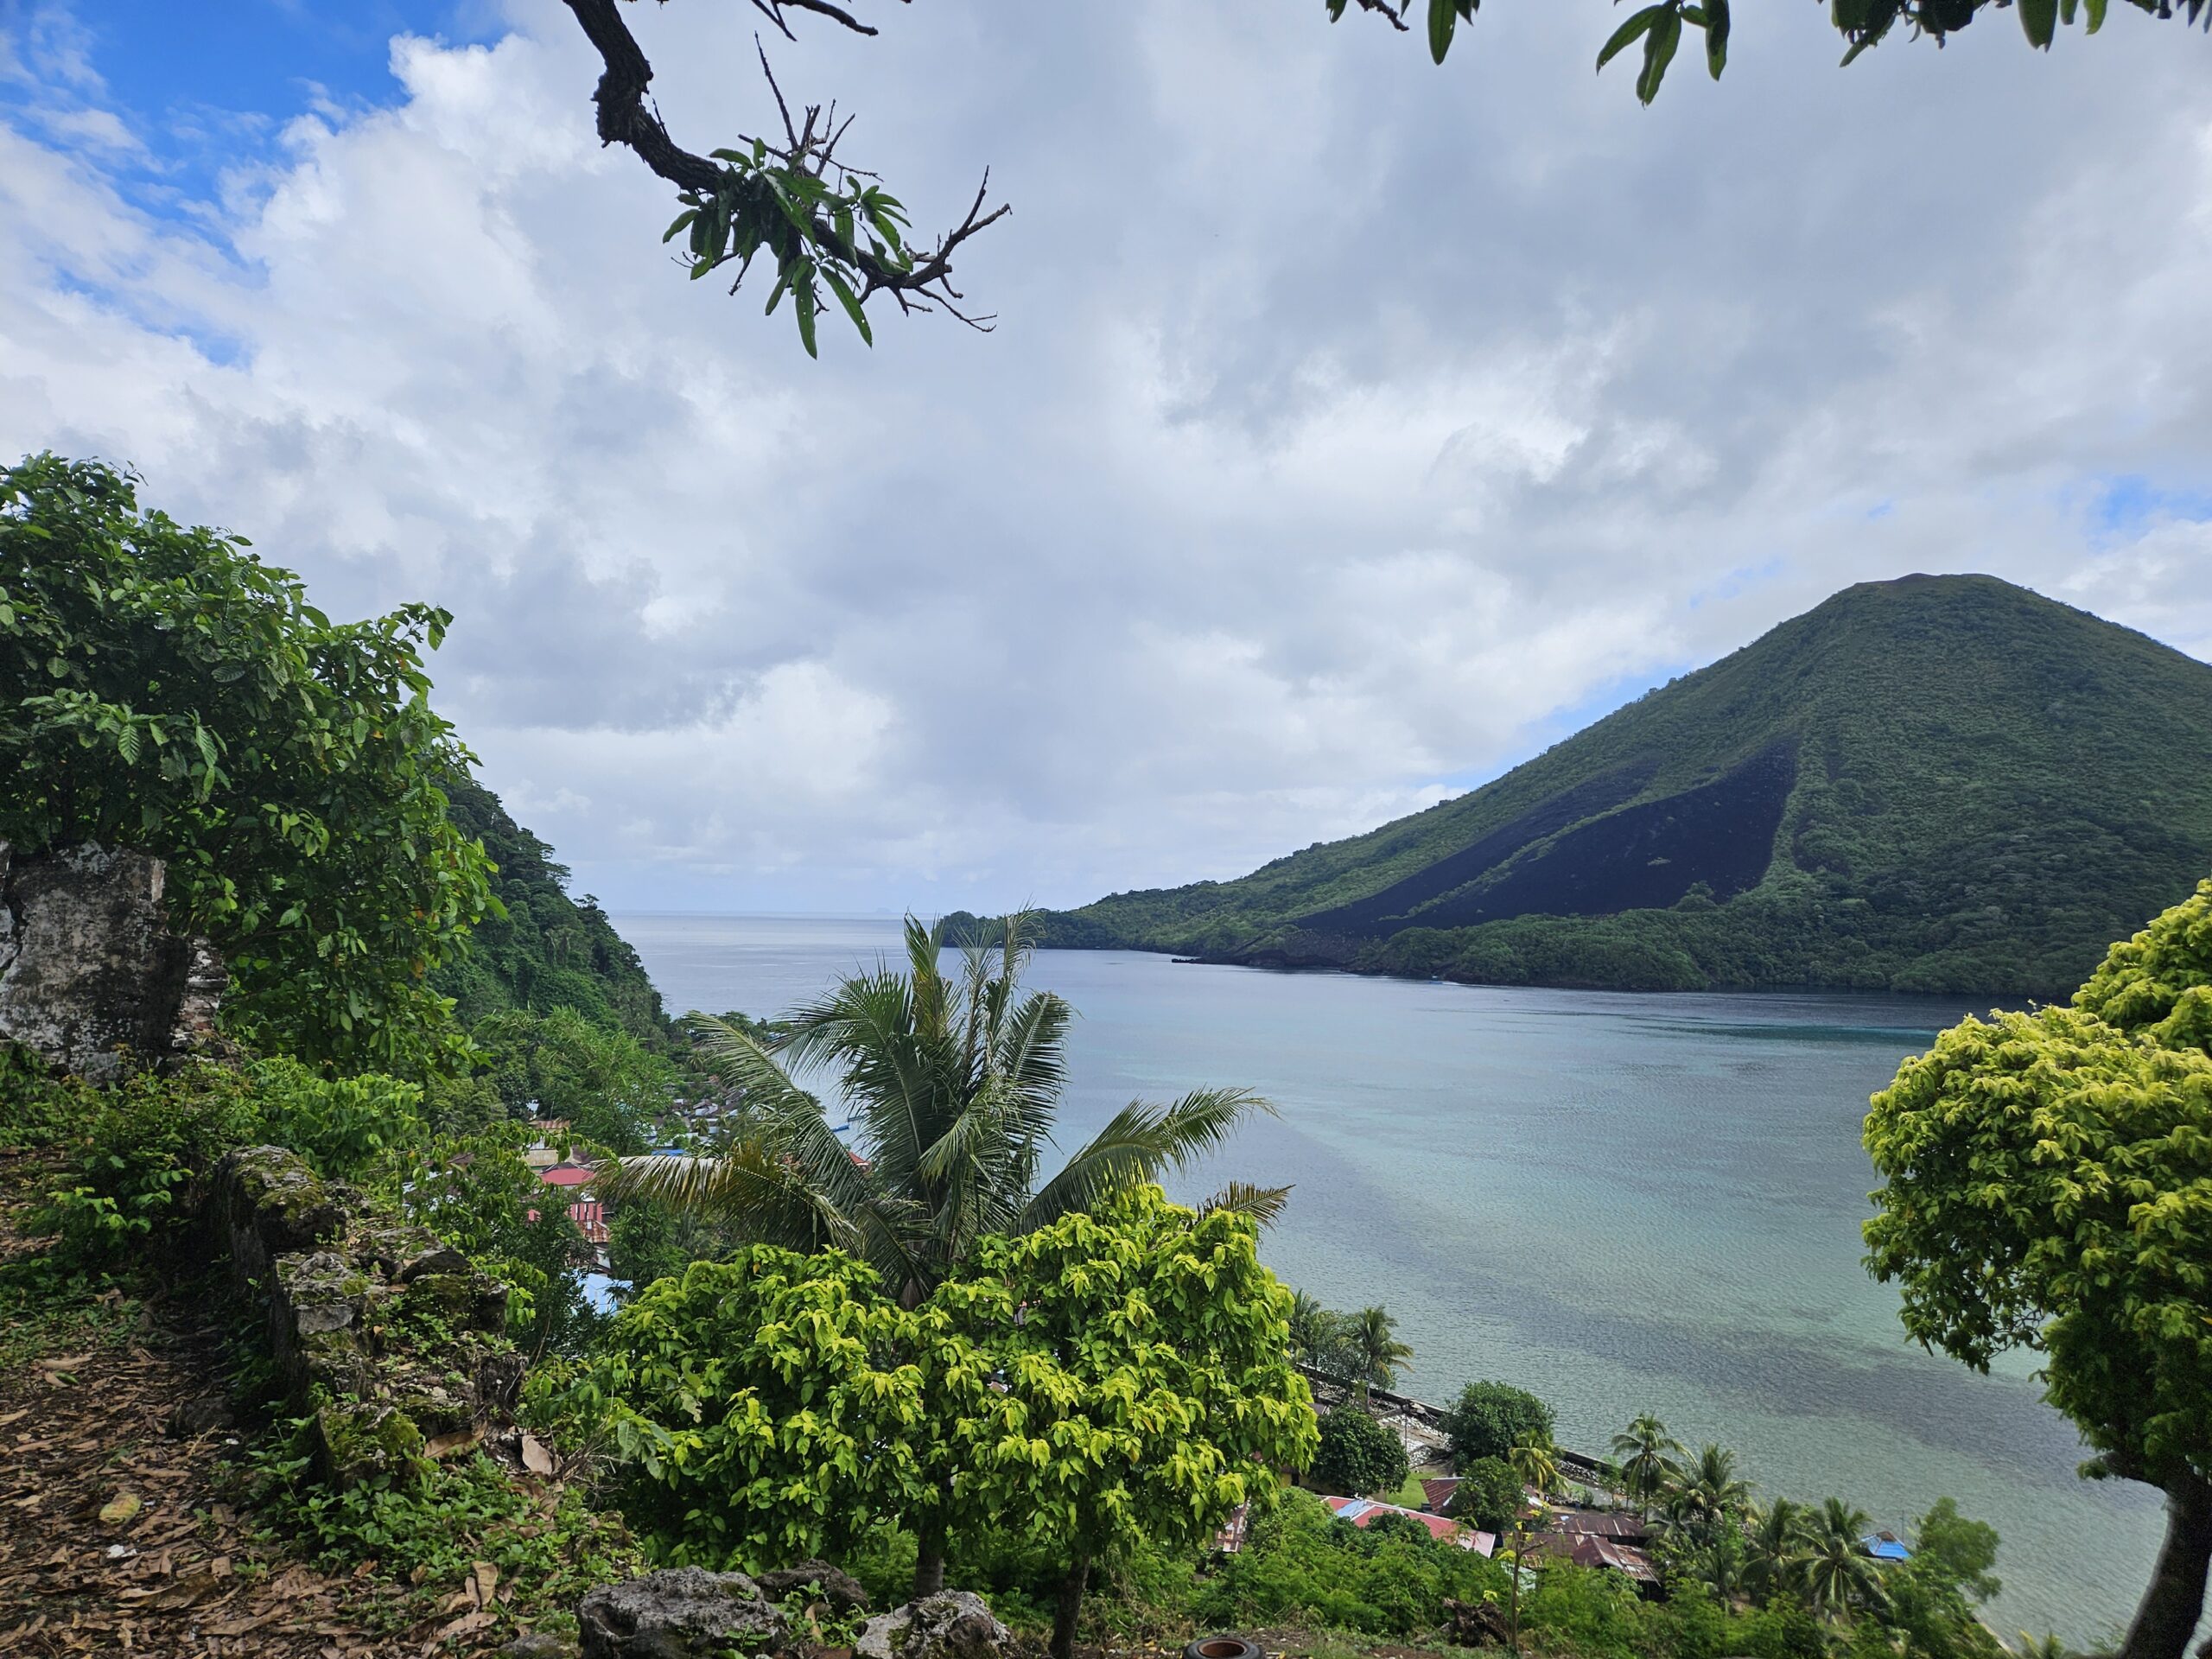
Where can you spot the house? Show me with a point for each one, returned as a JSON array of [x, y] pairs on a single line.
[[1885, 1545], [567, 1175], [1362, 1511], [1436, 1492], [1595, 1549]]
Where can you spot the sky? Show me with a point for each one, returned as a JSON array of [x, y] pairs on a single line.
[[1352, 429]]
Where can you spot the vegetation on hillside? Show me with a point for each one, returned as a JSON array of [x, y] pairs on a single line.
[[1983, 788]]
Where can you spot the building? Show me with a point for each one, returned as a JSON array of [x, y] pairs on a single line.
[[1364, 1511]]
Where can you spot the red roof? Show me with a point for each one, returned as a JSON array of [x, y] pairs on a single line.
[[590, 1216], [1362, 1511], [567, 1175]]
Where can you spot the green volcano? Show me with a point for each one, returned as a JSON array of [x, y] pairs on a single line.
[[1935, 784]]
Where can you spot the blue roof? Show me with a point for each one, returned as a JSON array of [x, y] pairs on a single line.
[[1883, 1547]]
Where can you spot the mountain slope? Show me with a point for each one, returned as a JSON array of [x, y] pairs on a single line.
[[1939, 782], [549, 951]]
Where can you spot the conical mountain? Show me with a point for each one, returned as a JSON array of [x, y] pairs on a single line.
[[1935, 784]]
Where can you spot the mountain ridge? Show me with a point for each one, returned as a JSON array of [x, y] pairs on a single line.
[[1929, 784]]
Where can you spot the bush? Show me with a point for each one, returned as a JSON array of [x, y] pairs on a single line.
[[1488, 1494], [347, 1127], [1358, 1455], [1490, 1419]]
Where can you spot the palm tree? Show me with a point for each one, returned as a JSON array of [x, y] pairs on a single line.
[[1536, 1461], [2045, 1646], [1317, 1335], [954, 1081], [1775, 1562], [1646, 1452], [1370, 1340], [1839, 1571], [1705, 1495]]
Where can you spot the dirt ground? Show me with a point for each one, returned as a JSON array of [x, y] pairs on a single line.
[[114, 1536]]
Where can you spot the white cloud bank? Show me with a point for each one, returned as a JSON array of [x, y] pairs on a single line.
[[1351, 425]]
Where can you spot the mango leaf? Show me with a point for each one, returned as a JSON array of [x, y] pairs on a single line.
[[2040, 19], [1627, 32]]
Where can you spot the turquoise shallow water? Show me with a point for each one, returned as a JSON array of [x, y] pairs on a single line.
[[1625, 1203]]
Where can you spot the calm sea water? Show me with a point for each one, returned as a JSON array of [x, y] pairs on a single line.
[[1625, 1203]]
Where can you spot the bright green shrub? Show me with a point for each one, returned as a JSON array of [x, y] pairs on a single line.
[[1490, 1419], [1488, 1494], [347, 1127]]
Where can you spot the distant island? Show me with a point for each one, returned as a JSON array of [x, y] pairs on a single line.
[[1938, 783]]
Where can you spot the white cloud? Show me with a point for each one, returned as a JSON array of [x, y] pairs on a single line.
[[1348, 421]]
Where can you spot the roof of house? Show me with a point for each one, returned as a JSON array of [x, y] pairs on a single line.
[[1624, 1525], [1885, 1545], [567, 1175], [1587, 1549], [1437, 1492], [1362, 1511], [590, 1216]]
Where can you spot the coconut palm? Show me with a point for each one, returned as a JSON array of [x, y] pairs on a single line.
[[1647, 1454], [1706, 1494], [1317, 1335], [1775, 1556], [1536, 1462], [1839, 1572], [954, 1081], [1721, 1564], [1370, 1342]]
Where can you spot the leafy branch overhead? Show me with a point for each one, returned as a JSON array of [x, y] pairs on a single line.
[[1861, 22], [831, 230]]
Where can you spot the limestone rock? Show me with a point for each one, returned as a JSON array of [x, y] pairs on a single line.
[[88, 965], [952, 1624], [686, 1613]]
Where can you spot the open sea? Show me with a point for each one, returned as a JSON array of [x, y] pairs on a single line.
[[1625, 1203]]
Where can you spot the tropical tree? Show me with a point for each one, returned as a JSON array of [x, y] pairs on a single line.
[[1646, 1452], [1536, 1461], [1489, 1494], [1142, 1387], [1775, 1551], [1358, 1455], [1317, 1335], [954, 1081], [163, 689], [2048, 1185], [1489, 1418], [1370, 1340], [1839, 1572], [1707, 1496]]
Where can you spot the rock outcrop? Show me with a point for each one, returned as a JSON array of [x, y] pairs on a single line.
[[686, 1613], [952, 1624], [89, 967]]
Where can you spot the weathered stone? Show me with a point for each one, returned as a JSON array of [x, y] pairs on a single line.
[[539, 1644], [201, 1415], [686, 1613], [951, 1624], [88, 966], [266, 1203], [841, 1590]]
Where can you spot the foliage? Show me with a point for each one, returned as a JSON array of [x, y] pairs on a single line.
[[2083, 818], [140, 1152], [599, 1080], [955, 1081], [1490, 1419], [1370, 1340], [2048, 1185], [1317, 1337], [1647, 1454], [1706, 1497], [1839, 1574], [774, 1408], [345, 1127], [1357, 1456], [161, 689], [1144, 1390], [1488, 1494], [542, 950], [1657, 29]]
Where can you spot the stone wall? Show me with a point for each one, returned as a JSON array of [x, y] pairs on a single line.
[[386, 1334], [89, 966]]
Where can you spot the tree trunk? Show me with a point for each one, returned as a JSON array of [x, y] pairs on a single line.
[[1068, 1605], [929, 1561], [2174, 1600]]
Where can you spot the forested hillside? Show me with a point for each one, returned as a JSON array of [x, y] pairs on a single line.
[[1935, 784], [549, 951]]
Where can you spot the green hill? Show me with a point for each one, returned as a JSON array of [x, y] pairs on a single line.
[[1935, 784], [550, 952]]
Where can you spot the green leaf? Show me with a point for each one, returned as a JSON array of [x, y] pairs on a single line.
[[1716, 37], [2039, 18], [2096, 9], [1443, 16], [1658, 52], [680, 221], [803, 301], [1627, 32], [850, 301]]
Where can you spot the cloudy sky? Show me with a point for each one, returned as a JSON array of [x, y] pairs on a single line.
[[1353, 429]]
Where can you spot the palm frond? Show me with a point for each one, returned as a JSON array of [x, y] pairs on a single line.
[[1264, 1204], [751, 1185], [1142, 1142]]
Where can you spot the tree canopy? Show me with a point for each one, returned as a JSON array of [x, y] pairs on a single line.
[[2048, 1185], [162, 689]]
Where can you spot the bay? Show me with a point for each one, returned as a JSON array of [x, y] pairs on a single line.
[[1625, 1203]]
